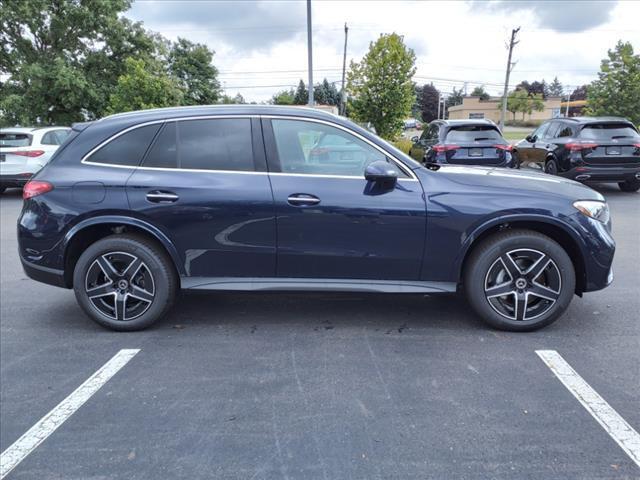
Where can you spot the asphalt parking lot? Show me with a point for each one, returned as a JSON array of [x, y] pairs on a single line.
[[327, 386]]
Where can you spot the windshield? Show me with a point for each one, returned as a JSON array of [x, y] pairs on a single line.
[[475, 133], [8, 139], [608, 131]]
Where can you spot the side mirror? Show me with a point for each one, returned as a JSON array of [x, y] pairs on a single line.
[[381, 171], [531, 138], [414, 139]]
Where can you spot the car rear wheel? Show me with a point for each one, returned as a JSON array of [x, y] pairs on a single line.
[[124, 282], [629, 185], [519, 280]]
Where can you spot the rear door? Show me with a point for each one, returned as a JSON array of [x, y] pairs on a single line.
[[332, 223], [615, 144], [203, 182]]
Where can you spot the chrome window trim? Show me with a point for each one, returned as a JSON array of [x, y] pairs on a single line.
[[85, 159]]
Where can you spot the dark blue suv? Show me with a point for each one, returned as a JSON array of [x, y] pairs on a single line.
[[136, 206]]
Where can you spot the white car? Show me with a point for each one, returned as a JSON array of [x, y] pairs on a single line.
[[24, 151]]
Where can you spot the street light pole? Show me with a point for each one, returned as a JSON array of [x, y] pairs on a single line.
[[310, 52]]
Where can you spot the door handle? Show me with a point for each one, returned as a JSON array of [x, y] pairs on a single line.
[[157, 196], [302, 200]]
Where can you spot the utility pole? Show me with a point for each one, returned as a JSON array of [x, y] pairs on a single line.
[[512, 43], [344, 68], [438, 117], [566, 112], [310, 53]]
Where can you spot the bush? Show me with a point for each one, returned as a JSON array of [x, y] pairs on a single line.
[[403, 144]]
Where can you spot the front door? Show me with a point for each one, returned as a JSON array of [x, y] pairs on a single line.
[[331, 222], [203, 182]]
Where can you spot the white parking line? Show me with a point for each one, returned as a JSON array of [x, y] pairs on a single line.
[[607, 417], [37, 434]]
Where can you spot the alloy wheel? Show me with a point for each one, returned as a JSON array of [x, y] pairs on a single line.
[[120, 286], [523, 284]]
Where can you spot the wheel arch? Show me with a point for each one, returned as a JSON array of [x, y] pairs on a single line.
[[557, 231], [90, 230]]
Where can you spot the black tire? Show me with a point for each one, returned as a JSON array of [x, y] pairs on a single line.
[[556, 281], [629, 185], [551, 167], [143, 295]]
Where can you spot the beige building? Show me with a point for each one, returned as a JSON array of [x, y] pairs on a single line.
[[473, 107]]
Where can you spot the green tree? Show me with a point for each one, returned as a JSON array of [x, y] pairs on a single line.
[[284, 97], [301, 96], [521, 101], [144, 85], [429, 105], [191, 64], [380, 85], [617, 89], [555, 88], [480, 92], [63, 57], [454, 98], [326, 93]]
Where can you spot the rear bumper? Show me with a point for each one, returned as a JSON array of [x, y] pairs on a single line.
[[20, 180], [586, 173], [50, 276]]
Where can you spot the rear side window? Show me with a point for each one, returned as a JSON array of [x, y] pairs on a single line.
[[565, 131], [127, 149], [472, 133], [608, 131], [54, 137], [15, 139], [211, 144]]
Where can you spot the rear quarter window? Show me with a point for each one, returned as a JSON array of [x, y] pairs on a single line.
[[126, 149], [608, 131], [8, 139]]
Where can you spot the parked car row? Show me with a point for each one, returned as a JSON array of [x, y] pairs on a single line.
[[24, 151], [586, 149]]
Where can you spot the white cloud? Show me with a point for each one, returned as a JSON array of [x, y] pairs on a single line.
[[262, 45]]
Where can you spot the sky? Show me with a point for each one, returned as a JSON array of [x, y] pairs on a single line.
[[261, 46]]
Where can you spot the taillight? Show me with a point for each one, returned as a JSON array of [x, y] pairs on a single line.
[[577, 146], [35, 188], [445, 148], [29, 153], [637, 145], [506, 148]]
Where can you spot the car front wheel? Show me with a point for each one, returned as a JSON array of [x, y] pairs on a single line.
[[519, 280], [124, 282]]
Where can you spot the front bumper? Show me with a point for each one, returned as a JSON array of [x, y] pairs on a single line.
[[599, 249]]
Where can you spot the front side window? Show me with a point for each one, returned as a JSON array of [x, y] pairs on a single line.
[[126, 149], [208, 144], [541, 131], [318, 149]]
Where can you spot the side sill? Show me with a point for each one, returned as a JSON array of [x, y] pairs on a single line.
[[251, 284]]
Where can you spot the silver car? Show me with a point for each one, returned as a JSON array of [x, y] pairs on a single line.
[[24, 151]]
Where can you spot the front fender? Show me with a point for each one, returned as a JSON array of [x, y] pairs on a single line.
[[476, 231]]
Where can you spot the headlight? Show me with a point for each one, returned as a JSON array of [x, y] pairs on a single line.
[[594, 208]]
